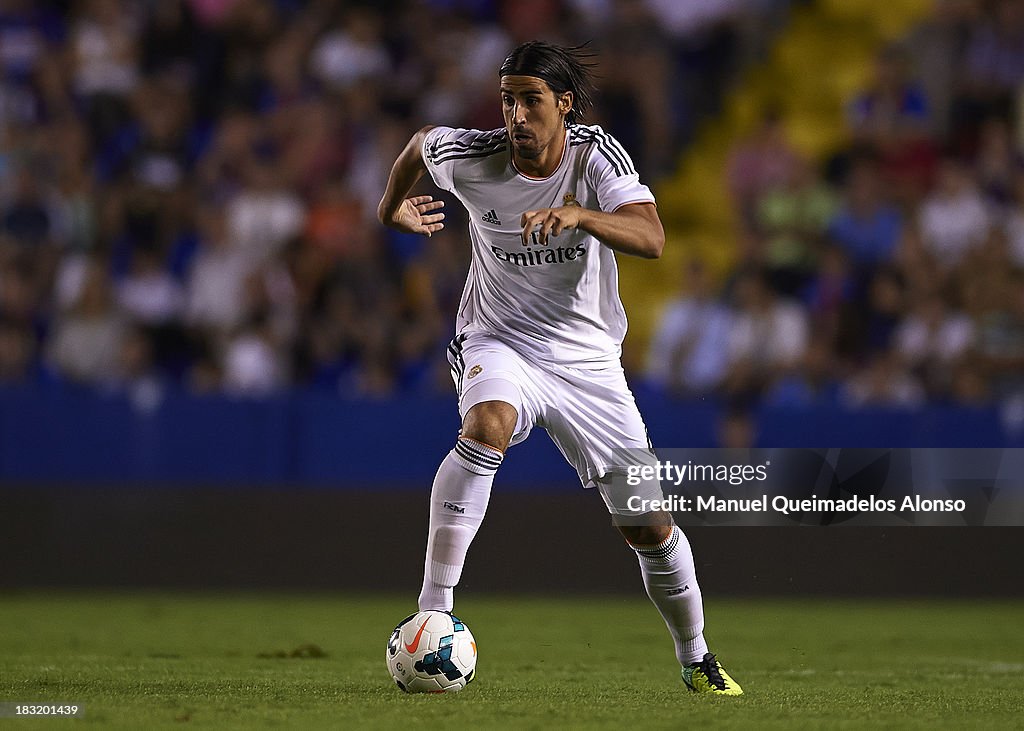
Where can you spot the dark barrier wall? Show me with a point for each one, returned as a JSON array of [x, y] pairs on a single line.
[[313, 492], [560, 542], [319, 439]]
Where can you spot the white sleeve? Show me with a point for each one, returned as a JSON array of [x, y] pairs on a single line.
[[610, 170], [440, 166], [444, 146]]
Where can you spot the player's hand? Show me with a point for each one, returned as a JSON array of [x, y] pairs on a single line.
[[415, 216], [550, 221]]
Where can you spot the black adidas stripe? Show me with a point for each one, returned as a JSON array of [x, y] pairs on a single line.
[[578, 137], [487, 463], [458, 149], [463, 156], [594, 139], [608, 147], [457, 362], [458, 145], [664, 551], [468, 157], [481, 141], [619, 172], [616, 149], [480, 451], [472, 461], [445, 148]]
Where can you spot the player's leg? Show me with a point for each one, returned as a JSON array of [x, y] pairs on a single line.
[[459, 497], [666, 566], [670, 577], [491, 403], [491, 423], [599, 429]]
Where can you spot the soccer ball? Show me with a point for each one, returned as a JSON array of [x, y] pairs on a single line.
[[431, 652]]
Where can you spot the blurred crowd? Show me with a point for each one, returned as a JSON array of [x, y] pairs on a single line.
[[891, 273], [188, 187]]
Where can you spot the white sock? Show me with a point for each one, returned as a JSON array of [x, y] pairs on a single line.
[[671, 581], [458, 501]]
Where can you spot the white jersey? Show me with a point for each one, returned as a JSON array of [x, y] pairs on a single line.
[[558, 303]]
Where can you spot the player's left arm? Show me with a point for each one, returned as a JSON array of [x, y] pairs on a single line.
[[414, 215], [634, 228]]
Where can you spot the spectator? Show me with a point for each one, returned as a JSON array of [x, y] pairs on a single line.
[[28, 218], [17, 353], [709, 38], [86, 340], [736, 428], [997, 165], [763, 162], [336, 223], [768, 337], [636, 68], [252, 364], [136, 374], [970, 384], [1013, 223], [689, 352], [830, 294], [931, 340], [76, 213], [892, 109], [370, 163], [216, 281], [316, 145], [867, 226], [352, 54], [993, 69], [813, 383], [954, 218], [879, 316], [167, 40], [329, 344], [234, 145], [420, 327], [792, 218], [885, 382], [105, 55], [149, 294], [1000, 334], [936, 49], [918, 268], [264, 215]]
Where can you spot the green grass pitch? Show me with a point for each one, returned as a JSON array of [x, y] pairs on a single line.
[[211, 661]]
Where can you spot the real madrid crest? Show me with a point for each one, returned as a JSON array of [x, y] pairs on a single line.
[[569, 199]]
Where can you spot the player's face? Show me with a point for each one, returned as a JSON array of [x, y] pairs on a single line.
[[534, 115]]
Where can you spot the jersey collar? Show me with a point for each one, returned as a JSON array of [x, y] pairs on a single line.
[[561, 161]]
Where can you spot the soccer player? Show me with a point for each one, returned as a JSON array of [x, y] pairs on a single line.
[[540, 325]]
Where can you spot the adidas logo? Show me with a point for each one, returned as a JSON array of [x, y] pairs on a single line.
[[491, 217]]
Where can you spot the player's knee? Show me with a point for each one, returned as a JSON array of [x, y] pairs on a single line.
[[491, 422], [657, 528]]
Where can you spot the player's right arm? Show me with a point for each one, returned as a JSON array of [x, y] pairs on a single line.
[[410, 215]]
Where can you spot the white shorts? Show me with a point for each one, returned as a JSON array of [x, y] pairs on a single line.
[[590, 414]]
